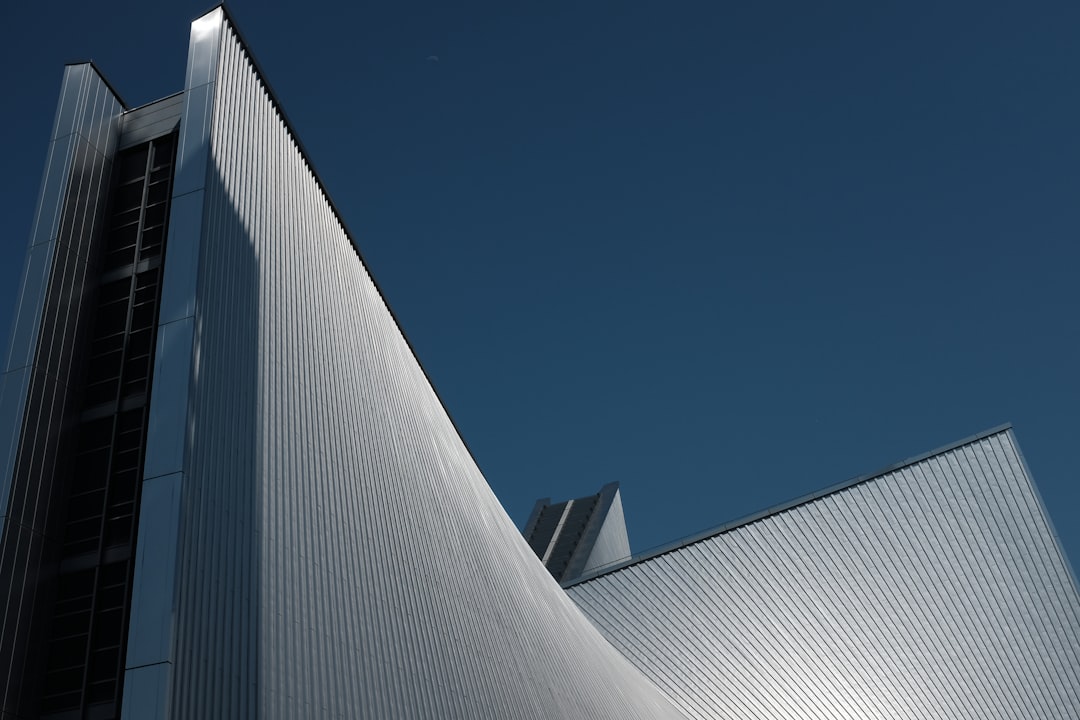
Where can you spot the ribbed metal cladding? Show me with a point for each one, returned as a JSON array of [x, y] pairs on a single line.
[[38, 400], [936, 590], [340, 554]]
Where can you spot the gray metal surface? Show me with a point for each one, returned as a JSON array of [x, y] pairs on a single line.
[[339, 552], [80, 150], [151, 647], [935, 590], [151, 121], [40, 361]]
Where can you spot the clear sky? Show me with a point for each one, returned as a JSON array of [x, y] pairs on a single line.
[[724, 253]]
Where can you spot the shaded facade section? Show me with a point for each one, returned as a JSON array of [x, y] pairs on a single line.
[[41, 399], [934, 590], [579, 536]]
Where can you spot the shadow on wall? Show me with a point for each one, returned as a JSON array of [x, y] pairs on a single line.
[[218, 555]]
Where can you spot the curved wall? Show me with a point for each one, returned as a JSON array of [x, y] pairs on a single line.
[[340, 554]]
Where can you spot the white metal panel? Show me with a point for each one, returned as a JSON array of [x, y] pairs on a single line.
[[935, 590], [340, 553]]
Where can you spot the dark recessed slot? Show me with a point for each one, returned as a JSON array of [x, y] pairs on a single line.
[[112, 596], [62, 684], [155, 214], [123, 239], [71, 625], [120, 507], [137, 368], [106, 365], [85, 506], [130, 421], [101, 392], [158, 192], [143, 316], [132, 164], [118, 531], [120, 258], [121, 220], [151, 242], [90, 611], [103, 665], [118, 290], [93, 466], [122, 488], [71, 586], [128, 440], [139, 344], [128, 197], [106, 343], [113, 574], [101, 691], [67, 653], [107, 627], [129, 428], [82, 536], [147, 278], [145, 294], [55, 702], [95, 434], [127, 461], [74, 606], [163, 149], [111, 318], [87, 483]]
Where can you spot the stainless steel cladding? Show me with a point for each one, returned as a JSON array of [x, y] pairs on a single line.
[[936, 590], [337, 552], [43, 364]]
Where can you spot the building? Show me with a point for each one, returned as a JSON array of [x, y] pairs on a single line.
[[933, 589], [230, 490], [576, 537], [220, 490]]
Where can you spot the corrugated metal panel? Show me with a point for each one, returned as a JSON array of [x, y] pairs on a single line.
[[40, 362], [340, 553], [936, 590], [151, 653]]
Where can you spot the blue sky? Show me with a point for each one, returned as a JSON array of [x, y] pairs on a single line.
[[726, 256]]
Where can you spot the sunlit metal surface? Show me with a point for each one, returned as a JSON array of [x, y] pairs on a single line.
[[339, 552], [935, 590]]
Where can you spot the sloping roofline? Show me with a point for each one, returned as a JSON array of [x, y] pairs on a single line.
[[785, 506], [101, 76], [305, 156]]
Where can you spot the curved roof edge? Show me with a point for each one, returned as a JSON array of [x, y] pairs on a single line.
[[272, 95], [784, 506]]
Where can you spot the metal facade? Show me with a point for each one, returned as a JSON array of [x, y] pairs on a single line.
[[315, 539], [36, 403], [324, 544], [935, 590]]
